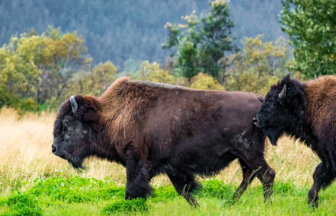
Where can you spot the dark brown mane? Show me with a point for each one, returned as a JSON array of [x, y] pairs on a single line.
[[125, 105]]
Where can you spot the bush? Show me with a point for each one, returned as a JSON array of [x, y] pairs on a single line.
[[22, 205], [153, 73], [258, 66], [204, 81], [216, 188]]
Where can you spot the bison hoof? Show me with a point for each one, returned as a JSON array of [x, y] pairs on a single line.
[[194, 204], [313, 203], [128, 197]]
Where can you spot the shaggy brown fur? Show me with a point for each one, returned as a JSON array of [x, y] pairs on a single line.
[[308, 113], [153, 128], [321, 104]]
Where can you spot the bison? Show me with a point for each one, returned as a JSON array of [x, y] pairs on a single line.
[[153, 128], [305, 111]]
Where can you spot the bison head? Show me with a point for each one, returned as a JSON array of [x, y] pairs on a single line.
[[74, 130], [281, 110]]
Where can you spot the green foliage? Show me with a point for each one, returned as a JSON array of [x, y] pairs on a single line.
[[93, 81], [126, 206], [271, 81], [34, 68], [311, 27], [258, 67], [87, 81], [76, 189], [89, 196], [38, 72], [153, 73], [203, 42], [22, 205], [164, 194], [204, 81], [216, 188]]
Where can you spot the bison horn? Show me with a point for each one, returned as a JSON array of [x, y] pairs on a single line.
[[73, 103], [282, 94]]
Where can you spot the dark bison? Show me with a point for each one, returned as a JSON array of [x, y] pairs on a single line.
[[153, 128], [305, 111]]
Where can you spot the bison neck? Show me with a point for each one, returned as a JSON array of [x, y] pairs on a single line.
[[105, 149], [302, 130]]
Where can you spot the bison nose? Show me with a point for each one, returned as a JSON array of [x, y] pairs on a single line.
[[53, 149], [255, 121]]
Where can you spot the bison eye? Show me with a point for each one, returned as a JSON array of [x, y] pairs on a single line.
[[271, 103], [65, 126]]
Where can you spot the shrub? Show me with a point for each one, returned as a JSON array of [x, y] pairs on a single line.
[[204, 81], [22, 204]]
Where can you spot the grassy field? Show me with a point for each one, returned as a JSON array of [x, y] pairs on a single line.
[[34, 181]]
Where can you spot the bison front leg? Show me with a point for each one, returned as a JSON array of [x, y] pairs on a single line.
[[322, 178], [248, 177], [138, 180], [185, 186]]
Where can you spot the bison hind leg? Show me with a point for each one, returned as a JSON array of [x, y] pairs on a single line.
[[185, 186], [248, 176], [322, 178], [140, 187]]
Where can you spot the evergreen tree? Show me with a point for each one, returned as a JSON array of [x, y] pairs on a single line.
[[311, 27], [202, 42]]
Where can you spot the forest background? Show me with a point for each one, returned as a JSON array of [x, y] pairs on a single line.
[[54, 50]]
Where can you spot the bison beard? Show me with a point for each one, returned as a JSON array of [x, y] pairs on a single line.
[[153, 128], [306, 112]]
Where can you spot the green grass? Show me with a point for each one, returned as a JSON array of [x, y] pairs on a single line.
[[83, 196]]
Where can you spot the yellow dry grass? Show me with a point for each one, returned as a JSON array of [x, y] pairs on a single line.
[[25, 153]]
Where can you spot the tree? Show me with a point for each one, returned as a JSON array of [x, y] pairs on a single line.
[[34, 68], [311, 26], [19, 75], [93, 81], [202, 42], [257, 66], [60, 57]]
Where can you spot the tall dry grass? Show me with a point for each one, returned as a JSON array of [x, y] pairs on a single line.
[[25, 153]]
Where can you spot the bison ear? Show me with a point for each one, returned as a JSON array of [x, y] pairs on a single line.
[[85, 108], [91, 115], [91, 109]]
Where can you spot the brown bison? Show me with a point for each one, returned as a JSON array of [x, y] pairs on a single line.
[[305, 111], [153, 128]]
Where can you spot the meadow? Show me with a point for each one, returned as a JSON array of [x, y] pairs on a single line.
[[35, 182]]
